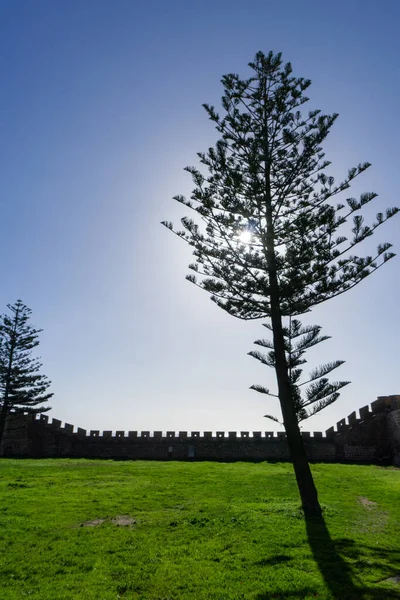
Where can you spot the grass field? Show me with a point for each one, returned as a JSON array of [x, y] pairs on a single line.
[[104, 530]]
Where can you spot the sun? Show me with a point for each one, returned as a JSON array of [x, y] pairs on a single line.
[[245, 236]]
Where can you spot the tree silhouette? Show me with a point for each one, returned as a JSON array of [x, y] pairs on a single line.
[[22, 387], [268, 243]]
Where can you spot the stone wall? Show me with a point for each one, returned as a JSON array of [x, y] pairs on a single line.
[[372, 436], [394, 435]]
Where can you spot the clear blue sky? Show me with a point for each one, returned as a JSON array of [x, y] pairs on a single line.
[[100, 112]]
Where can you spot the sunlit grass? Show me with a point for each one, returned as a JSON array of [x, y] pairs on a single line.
[[72, 529]]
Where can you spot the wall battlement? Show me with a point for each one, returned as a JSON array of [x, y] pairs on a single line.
[[382, 404], [371, 435]]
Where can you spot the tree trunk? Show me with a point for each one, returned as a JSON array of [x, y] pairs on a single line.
[[305, 482], [3, 417]]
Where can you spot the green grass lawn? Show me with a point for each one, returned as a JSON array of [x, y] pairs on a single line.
[[104, 530]]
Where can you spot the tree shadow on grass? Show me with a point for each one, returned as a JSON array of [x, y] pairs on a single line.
[[337, 573], [334, 570], [274, 560]]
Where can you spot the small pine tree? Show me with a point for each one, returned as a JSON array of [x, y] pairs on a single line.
[[268, 242], [22, 387]]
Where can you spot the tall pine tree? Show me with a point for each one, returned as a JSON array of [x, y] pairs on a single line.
[[268, 243], [22, 387]]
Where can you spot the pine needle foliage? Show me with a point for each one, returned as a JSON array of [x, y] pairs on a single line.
[[270, 154], [320, 392], [270, 237], [22, 386]]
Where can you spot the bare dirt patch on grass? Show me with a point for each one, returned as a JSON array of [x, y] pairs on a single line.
[[93, 523], [374, 520], [123, 520], [119, 520], [366, 503]]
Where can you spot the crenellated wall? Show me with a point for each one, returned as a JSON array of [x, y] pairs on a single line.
[[371, 436]]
